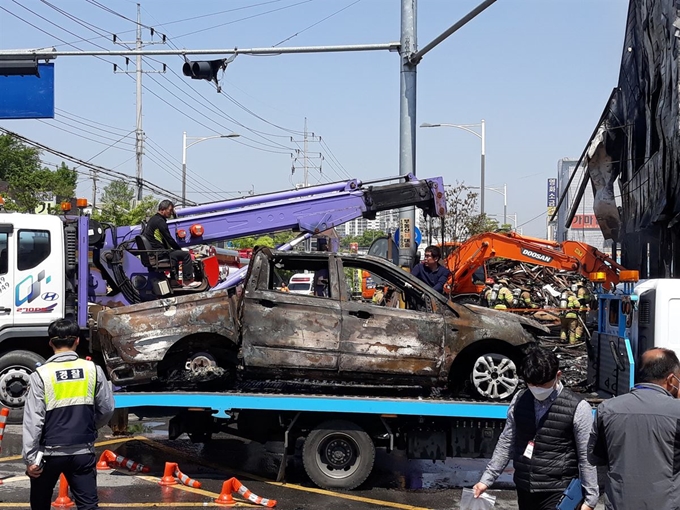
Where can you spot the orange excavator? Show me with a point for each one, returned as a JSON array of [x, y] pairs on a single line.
[[467, 262]]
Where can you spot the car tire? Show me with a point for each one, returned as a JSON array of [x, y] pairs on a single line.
[[15, 369], [338, 454]]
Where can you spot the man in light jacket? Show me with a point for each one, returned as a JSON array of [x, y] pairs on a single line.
[[637, 435]]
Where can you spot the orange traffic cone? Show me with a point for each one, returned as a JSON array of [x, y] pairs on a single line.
[[130, 464], [243, 491], [63, 501], [185, 480], [106, 457], [225, 496], [169, 474]]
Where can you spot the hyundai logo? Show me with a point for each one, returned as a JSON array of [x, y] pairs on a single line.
[[50, 296]]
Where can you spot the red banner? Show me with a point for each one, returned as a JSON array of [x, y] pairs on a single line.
[[585, 222]]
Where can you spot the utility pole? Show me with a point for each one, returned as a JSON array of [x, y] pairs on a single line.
[[307, 163], [94, 190], [407, 125], [139, 131]]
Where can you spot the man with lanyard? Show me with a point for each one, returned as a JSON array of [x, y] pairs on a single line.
[[546, 437], [430, 271], [68, 400], [637, 436]]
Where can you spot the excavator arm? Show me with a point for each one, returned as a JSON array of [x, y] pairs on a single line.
[[567, 256]]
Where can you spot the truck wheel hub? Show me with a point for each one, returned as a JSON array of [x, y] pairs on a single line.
[[339, 454], [13, 386]]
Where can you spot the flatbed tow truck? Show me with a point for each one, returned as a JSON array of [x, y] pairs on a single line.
[[339, 433]]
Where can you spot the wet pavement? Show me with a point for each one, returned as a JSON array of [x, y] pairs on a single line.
[[395, 483]]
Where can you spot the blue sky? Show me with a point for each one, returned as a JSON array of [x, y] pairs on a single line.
[[538, 71]]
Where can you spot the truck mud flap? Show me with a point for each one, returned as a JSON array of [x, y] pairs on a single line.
[[614, 364]]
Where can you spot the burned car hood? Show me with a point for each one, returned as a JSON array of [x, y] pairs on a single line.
[[498, 317]]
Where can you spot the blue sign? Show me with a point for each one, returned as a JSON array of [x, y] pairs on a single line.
[[552, 192], [417, 236], [28, 97]]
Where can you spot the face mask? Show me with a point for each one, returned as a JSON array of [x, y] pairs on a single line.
[[541, 393], [676, 388]]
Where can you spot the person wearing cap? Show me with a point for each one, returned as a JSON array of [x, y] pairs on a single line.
[[68, 400], [503, 296]]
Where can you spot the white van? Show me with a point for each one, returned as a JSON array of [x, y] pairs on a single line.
[[301, 283]]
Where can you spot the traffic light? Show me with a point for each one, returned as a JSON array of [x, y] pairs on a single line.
[[19, 66], [203, 69]]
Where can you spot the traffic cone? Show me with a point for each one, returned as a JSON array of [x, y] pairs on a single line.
[[130, 464], [169, 474], [106, 457], [63, 501], [243, 491], [225, 496], [185, 480], [4, 413]]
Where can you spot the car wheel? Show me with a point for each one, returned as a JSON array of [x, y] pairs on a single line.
[[15, 369], [494, 376], [338, 454]]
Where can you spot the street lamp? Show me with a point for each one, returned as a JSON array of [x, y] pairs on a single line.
[[501, 191], [481, 136], [196, 139]]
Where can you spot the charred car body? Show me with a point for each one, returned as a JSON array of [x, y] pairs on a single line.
[[412, 337]]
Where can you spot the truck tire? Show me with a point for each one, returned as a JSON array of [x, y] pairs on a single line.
[[338, 454], [15, 369]]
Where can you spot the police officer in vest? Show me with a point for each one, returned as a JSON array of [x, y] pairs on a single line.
[[546, 436], [68, 400]]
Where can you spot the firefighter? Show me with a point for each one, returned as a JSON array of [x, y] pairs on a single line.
[[524, 298], [68, 400], [583, 297], [499, 297], [569, 305]]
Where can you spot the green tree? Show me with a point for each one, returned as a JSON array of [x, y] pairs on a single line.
[[28, 182], [264, 241], [117, 205]]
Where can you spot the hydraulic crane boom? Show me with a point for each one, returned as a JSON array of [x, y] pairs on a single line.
[[312, 210]]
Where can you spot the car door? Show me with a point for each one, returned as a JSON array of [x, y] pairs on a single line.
[[297, 333], [7, 261], [386, 341]]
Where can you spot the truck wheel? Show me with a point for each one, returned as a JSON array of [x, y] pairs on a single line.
[[494, 376], [15, 369], [338, 454]]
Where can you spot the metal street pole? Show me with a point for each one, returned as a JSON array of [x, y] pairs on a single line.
[[505, 204], [482, 136], [184, 156], [407, 125]]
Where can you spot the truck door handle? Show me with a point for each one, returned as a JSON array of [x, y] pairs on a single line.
[[267, 303], [5, 310], [361, 314]]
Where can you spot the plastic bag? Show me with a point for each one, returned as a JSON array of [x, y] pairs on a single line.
[[483, 502]]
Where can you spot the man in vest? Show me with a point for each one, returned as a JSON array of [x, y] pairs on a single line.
[[67, 401], [636, 436], [546, 437]]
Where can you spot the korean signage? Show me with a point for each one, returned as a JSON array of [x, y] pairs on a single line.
[[585, 222], [552, 192], [28, 97], [404, 234]]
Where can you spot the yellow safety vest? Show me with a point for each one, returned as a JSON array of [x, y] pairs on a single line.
[[68, 383]]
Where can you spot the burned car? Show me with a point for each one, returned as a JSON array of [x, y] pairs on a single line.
[[408, 336]]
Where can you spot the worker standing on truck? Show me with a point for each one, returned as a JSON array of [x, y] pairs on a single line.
[[68, 400], [546, 437], [636, 436], [569, 306], [158, 234], [431, 271]]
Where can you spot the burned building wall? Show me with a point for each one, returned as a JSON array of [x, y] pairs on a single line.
[[638, 140]]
